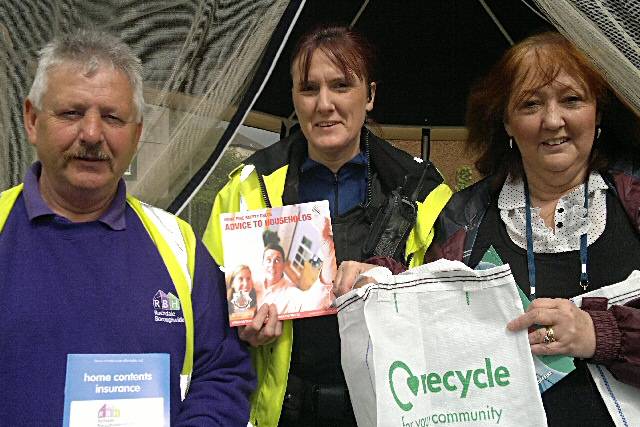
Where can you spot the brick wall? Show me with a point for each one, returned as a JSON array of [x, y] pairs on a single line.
[[447, 156]]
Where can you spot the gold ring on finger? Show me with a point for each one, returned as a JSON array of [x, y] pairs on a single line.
[[549, 336]]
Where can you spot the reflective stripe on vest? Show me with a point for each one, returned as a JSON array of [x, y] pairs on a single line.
[[176, 244]]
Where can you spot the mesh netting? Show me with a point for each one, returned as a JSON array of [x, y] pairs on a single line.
[[199, 57], [609, 32]]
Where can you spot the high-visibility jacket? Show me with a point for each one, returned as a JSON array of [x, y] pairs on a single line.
[[176, 244], [244, 192]]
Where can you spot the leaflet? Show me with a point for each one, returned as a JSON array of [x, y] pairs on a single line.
[[123, 390], [283, 256]]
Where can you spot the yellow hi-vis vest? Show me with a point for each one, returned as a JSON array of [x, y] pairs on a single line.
[[176, 243]]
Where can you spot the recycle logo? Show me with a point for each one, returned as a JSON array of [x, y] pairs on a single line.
[[413, 383], [459, 382]]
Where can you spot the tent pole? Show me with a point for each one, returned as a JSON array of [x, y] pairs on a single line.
[[362, 8], [425, 147], [496, 21]]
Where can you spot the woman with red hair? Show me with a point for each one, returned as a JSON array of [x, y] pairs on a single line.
[[560, 208]]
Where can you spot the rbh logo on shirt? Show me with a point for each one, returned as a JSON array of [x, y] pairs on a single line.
[[166, 308]]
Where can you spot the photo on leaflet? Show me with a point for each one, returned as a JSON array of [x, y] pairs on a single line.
[[283, 256]]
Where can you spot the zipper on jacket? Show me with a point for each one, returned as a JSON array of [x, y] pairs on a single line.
[[336, 199], [367, 154], [409, 258], [263, 190]]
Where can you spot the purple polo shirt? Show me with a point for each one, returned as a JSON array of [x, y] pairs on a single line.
[[36, 206], [89, 287]]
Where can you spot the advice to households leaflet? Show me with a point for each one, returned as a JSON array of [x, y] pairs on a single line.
[[283, 256]]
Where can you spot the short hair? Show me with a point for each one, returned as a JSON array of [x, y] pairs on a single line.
[[273, 247], [346, 48], [489, 100], [90, 49]]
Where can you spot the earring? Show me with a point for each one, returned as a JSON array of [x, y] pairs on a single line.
[[598, 132], [511, 142]]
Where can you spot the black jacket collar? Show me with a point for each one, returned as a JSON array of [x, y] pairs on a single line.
[[394, 168]]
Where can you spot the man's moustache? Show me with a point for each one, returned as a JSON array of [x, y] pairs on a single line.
[[87, 154]]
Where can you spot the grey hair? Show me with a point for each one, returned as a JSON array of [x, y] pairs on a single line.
[[90, 49]]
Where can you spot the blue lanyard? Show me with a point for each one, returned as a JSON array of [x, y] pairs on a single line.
[[531, 265]]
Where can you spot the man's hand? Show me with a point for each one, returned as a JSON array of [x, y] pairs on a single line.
[[264, 328]]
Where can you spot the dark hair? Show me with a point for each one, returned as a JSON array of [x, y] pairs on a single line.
[[508, 84], [274, 247], [346, 48]]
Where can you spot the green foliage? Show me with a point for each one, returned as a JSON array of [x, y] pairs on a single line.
[[464, 177], [228, 162]]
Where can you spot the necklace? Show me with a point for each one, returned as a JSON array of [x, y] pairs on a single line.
[[531, 265]]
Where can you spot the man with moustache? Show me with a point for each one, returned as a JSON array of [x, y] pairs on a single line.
[[87, 269]]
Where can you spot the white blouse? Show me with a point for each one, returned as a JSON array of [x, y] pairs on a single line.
[[570, 219]]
